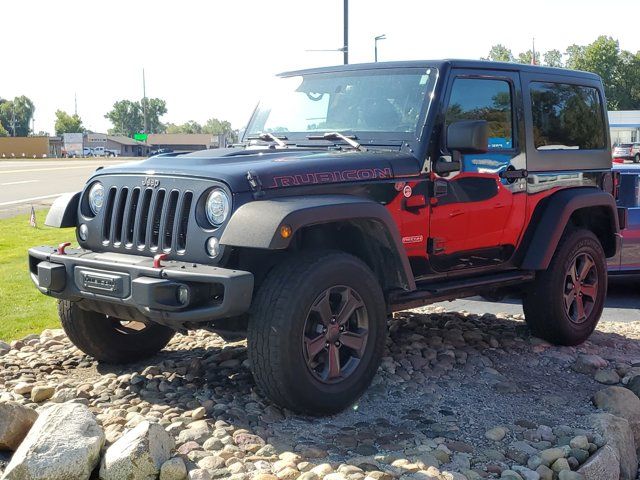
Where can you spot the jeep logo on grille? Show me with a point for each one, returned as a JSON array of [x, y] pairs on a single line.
[[150, 182]]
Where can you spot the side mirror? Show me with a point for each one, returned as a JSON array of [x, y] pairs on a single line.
[[468, 136]]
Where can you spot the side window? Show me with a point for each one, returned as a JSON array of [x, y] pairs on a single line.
[[566, 116], [481, 99]]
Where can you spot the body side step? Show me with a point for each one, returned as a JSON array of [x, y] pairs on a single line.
[[427, 293]]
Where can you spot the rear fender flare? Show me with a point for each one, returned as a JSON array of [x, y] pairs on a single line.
[[549, 223]]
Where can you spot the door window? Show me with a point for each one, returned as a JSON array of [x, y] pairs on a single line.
[[484, 99]]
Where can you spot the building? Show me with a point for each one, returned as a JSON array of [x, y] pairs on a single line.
[[128, 147], [24, 147], [625, 126], [184, 142]]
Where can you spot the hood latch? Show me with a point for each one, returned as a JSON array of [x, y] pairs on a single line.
[[255, 183]]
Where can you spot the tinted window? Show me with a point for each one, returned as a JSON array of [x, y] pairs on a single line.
[[566, 117], [479, 99]]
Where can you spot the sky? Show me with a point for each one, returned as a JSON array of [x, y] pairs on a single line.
[[214, 58]]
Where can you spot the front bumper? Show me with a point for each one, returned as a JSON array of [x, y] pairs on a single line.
[[131, 281]]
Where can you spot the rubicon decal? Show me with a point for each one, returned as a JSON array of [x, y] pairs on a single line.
[[331, 177]]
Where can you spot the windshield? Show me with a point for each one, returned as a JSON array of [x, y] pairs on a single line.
[[379, 100]]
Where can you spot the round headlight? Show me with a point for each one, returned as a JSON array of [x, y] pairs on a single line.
[[96, 197], [218, 206]]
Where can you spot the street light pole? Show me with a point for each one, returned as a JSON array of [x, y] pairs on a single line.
[[346, 32], [375, 43]]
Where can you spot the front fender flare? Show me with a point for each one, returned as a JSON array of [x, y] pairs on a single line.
[[257, 224], [64, 211]]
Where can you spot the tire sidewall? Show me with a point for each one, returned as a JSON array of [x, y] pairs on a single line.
[[581, 241], [352, 273]]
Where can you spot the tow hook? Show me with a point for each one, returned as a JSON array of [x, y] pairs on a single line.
[[62, 247], [158, 259]]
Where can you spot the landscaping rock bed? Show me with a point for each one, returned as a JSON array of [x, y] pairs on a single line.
[[457, 396]]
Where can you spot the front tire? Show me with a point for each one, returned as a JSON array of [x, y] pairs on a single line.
[[636, 159], [109, 339], [317, 331], [565, 302]]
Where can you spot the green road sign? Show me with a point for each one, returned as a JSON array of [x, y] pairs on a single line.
[[141, 137]]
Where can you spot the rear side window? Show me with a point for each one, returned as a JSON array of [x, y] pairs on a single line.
[[566, 116], [483, 99]]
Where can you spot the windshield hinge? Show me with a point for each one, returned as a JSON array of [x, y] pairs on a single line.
[[255, 184]]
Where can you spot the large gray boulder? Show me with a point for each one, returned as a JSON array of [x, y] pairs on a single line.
[[15, 422], [603, 465], [621, 402], [63, 443], [138, 454], [618, 434]]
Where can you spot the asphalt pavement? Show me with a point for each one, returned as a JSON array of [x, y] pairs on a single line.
[[26, 183]]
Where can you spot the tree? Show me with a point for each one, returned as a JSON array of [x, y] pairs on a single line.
[[553, 58], [155, 109], [128, 119], [188, 127], [17, 113], [525, 57], [3, 132], [66, 123], [218, 127], [500, 53]]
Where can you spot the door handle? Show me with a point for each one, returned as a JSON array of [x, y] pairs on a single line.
[[514, 174], [499, 205], [456, 213]]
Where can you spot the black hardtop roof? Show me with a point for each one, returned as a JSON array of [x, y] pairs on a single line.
[[454, 63]]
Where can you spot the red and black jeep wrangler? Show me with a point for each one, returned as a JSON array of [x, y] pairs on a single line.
[[358, 190]]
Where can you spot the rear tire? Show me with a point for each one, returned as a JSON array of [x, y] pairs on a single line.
[[108, 339], [636, 159], [317, 331], [565, 301]]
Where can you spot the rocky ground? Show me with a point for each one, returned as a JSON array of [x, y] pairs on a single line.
[[457, 396]]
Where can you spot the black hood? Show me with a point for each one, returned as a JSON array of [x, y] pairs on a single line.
[[276, 168]]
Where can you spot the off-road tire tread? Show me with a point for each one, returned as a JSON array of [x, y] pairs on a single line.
[[276, 292], [90, 333]]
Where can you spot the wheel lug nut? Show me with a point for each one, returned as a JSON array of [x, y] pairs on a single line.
[[337, 344], [342, 328], [326, 345]]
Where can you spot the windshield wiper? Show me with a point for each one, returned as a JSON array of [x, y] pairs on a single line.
[[338, 136], [266, 136]]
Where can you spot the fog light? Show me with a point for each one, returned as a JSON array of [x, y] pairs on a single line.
[[83, 232], [213, 247], [183, 295]]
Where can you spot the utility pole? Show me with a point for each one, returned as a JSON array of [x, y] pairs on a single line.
[[75, 103], [375, 41], [533, 52], [13, 118], [144, 101], [346, 32]]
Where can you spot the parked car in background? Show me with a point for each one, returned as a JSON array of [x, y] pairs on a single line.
[[103, 152], [626, 151], [627, 260]]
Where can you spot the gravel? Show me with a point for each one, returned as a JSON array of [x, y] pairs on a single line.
[[457, 396]]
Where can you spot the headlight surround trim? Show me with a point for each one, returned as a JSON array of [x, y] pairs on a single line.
[[217, 206], [95, 198]]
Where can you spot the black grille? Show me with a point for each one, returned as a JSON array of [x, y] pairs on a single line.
[[147, 219]]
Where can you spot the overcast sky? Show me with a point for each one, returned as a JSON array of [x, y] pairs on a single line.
[[211, 58]]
